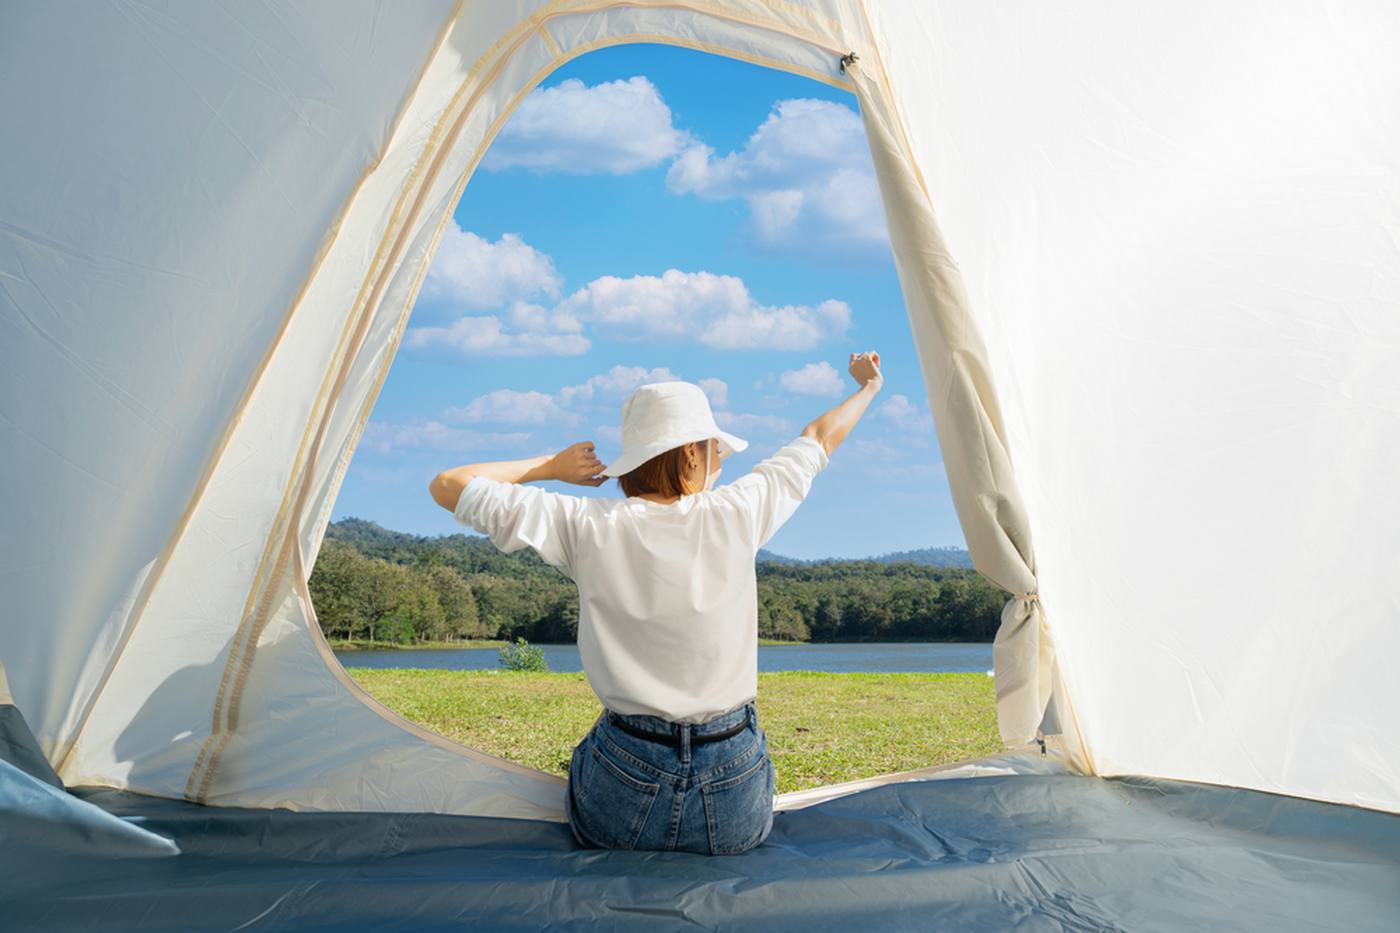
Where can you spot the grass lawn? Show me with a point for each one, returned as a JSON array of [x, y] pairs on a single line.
[[822, 728]]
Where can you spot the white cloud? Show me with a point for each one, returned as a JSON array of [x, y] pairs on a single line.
[[717, 390], [916, 420], [806, 176], [509, 406], [715, 310], [613, 384], [813, 379], [528, 330], [475, 274], [535, 408], [618, 127], [700, 307], [387, 437]]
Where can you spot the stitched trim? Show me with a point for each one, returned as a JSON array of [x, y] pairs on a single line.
[[645, 787], [664, 776], [714, 787], [639, 822], [711, 822]]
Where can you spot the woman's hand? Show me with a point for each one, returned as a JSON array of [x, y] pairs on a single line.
[[577, 464], [865, 368]]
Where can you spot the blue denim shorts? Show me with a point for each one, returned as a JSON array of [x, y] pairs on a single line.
[[628, 792]]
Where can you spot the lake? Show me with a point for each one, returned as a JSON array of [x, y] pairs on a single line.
[[887, 657]]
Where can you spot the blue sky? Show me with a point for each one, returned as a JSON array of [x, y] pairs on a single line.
[[652, 212]]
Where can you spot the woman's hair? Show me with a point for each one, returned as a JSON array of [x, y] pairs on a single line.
[[666, 474]]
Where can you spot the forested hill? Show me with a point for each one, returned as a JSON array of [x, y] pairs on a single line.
[[927, 556], [373, 583]]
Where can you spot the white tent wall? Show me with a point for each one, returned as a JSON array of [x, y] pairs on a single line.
[[225, 691], [1180, 227], [145, 162]]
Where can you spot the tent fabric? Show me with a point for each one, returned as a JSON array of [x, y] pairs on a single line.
[[17, 745], [1009, 841], [1020, 851], [37, 814], [1148, 259]]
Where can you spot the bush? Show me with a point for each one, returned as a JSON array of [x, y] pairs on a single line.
[[523, 656]]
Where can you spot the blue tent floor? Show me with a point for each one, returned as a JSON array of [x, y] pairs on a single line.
[[1037, 851]]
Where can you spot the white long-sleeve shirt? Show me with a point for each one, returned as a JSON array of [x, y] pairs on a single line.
[[668, 598]]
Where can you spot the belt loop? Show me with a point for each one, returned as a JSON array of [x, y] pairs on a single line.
[[685, 743]]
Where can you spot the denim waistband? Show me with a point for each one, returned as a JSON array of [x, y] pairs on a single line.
[[726, 720]]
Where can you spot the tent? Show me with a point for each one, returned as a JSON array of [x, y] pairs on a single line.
[[1151, 263]]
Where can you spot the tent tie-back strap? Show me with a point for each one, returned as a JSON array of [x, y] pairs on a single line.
[[847, 59], [1028, 597]]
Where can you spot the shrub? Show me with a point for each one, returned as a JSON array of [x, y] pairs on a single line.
[[523, 656]]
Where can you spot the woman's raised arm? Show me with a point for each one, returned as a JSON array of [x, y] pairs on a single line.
[[578, 464], [831, 429]]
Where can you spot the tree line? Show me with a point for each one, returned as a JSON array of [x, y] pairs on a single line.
[[373, 584]]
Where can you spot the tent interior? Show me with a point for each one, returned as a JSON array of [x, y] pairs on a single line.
[[1151, 263]]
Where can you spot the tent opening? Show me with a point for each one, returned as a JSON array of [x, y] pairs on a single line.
[[651, 212]]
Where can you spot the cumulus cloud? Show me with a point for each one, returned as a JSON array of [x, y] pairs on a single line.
[[510, 406], [566, 406], [475, 274], [715, 310], [527, 330], [716, 390], [389, 437], [906, 416], [615, 127], [472, 273], [813, 379], [613, 384], [806, 177]]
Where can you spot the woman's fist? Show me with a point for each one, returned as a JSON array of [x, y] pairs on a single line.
[[865, 367], [578, 464]]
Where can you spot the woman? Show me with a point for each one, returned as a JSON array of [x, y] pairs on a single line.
[[668, 608]]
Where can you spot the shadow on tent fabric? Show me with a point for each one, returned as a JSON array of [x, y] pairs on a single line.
[[169, 719], [1030, 851]]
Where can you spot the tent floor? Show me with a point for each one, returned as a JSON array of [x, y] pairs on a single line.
[[1029, 851]]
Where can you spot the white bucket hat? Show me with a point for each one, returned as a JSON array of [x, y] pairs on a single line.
[[659, 416]]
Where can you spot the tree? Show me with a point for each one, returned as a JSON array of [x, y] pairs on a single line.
[[460, 617]]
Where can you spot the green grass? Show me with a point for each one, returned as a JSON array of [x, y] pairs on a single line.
[[822, 728]]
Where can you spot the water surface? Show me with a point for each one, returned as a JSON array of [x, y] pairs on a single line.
[[842, 658]]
